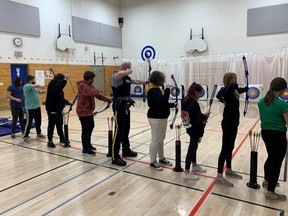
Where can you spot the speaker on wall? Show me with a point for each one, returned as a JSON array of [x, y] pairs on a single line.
[[120, 22]]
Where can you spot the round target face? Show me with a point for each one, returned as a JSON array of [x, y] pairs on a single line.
[[148, 52], [284, 96], [202, 93], [173, 92], [137, 90], [253, 93]]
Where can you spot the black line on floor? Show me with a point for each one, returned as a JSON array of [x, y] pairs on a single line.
[[161, 180], [43, 173], [248, 202]]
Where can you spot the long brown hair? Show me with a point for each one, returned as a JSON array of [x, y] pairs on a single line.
[[192, 90], [229, 78], [277, 84]]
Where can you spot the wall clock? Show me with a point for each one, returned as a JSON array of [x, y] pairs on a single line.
[[17, 41]]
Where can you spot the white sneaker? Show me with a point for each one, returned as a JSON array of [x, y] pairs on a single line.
[[190, 176], [223, 181], [156, 166], [198, 169]]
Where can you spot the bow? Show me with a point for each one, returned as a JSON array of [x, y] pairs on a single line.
[[176, 101], [71, 105], [149, 72], [247, 85], [100, 111], [212, 97]]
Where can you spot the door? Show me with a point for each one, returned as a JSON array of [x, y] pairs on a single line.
[[99, 80]]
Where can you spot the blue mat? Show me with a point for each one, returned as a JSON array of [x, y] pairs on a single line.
[[5, 129]]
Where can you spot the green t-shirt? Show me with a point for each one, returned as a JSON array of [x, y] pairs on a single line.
[[32, 100], [271, 116]]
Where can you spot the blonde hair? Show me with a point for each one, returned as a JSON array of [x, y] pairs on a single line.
[[228, 79]]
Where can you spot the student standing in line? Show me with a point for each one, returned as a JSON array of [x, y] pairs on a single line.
[[85, 108], [32, 105], [16, 96], [158, 112], [229, 95], [274, 119], [194, 122], [55, 103]]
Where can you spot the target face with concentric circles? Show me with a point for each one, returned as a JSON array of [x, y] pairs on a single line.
[[148, 52], [173, 92], [284, 96], [253, 93], [137, 90]]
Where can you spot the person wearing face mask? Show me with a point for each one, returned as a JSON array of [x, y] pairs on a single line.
[[32, 105], [121, 85], [16, 96], [55, 102], [85, 108], [194, 123]]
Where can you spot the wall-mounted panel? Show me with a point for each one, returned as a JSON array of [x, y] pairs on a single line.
[[19, 18], [97, 33], [86, 30], [267, 20]]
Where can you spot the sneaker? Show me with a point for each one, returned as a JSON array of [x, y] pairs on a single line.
[[119, 162], [198, 169], [88, 153], [166, 162], [223, 181], [130, 154], [92, 148], [63, 141], [275, 196], [13, 135], [50, 144], [233, 174], [156, 166], [40, 136], [190, 176], [265, 184], [26, 140]]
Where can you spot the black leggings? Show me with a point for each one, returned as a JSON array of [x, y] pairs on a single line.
[[17, 113], [55, 119], [228, 142], [276, 145], [191, 153]]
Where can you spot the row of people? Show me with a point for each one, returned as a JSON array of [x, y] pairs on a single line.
[[273, 115]]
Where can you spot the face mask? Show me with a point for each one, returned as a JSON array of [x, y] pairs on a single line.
[[33, 83]]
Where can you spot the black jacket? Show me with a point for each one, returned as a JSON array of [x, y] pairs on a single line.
[[159, 106], [55, 101], [231, 113], [196, 118]]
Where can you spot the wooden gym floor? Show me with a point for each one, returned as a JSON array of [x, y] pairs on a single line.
[[36, 180]]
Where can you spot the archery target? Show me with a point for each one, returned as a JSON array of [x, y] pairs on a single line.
[[204, 93], [254, 92], [136, 90], [217, 90], [148, 52], [284, 96], [173, 92]]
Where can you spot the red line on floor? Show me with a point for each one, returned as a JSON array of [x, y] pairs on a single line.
[[211, 186]]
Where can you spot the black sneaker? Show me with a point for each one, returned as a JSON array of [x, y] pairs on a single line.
[[50, 144], [92, 148], [13, 135], [88, 153], [119, 162], [130, 154]]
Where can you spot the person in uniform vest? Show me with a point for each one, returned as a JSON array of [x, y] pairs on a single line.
[[121, 84]]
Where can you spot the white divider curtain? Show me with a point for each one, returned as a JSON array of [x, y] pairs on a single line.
[[209, 70]]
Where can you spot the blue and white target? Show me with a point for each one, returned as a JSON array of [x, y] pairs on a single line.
[[148, 52], [173, 93], [136, 90], [204, 93], [284, 96], [253, 93]]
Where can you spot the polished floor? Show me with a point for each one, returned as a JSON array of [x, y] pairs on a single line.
[[36, 180]]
